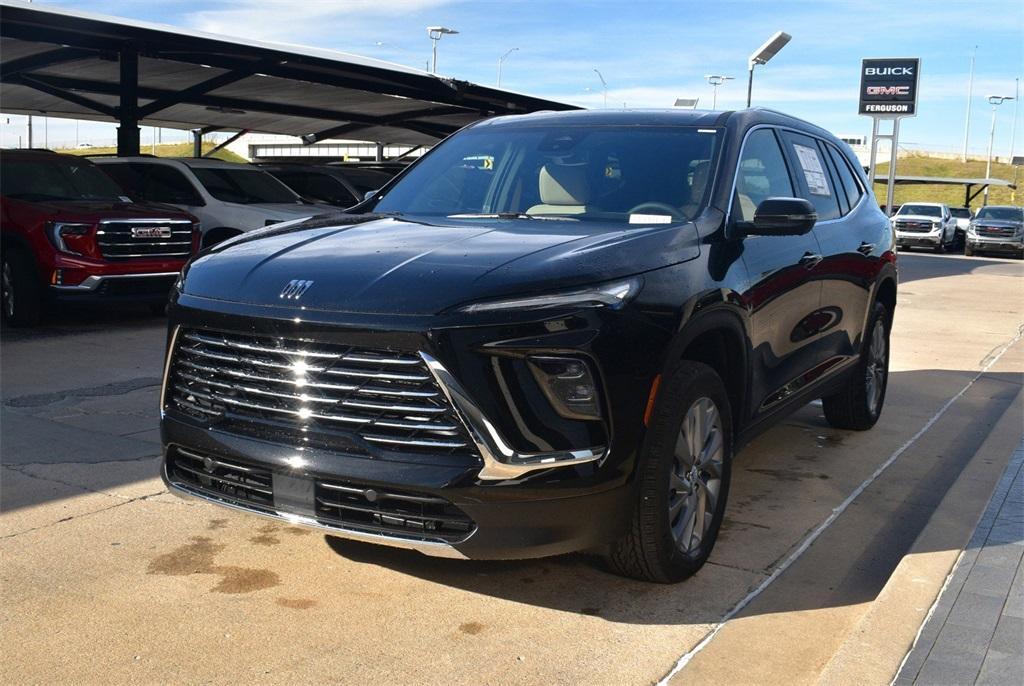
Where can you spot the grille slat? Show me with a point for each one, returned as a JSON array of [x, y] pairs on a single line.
[[120, 239], [308, 392]]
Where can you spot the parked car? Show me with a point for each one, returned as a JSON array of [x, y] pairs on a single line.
[[229, 198], [333, 185], [962, 215], [924, 224], [70, 234], [997, 228], [558, 349]]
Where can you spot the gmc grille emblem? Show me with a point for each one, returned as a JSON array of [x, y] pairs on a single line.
[[151, 232], [295, 289]]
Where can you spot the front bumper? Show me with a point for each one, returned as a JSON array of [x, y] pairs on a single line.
[[146, 287], [537, 486], [931, 240], [995, 244]]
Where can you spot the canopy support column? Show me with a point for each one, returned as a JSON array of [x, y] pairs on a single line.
[[128, 109]]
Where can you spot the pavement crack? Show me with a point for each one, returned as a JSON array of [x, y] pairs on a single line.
[[86, 489], [110, 389], [64, 520]]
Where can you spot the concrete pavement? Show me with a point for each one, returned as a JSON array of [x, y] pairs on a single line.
[[106, 578]]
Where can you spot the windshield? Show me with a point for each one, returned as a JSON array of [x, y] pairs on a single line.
[[55, 177], [635, 174], [245, 186], [921, 210], [960, 212], [1010, 214]]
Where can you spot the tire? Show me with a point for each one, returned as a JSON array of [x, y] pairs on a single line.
[[20, 294], [674, 490], [968, 251], [941, 247], [859, 404]]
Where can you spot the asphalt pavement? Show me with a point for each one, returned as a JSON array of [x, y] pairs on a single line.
[[834, 550]]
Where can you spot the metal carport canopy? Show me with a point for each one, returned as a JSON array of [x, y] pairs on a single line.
[[968, 184], [63, 63]]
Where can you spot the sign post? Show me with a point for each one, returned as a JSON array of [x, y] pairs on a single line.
[[888, 91]]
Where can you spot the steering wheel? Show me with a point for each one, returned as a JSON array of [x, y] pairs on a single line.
[[663, 207]]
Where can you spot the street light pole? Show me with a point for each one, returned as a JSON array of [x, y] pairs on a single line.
[[502, 59], [995, 101], [604, 87], [970, 94], [1013, 128], [762, 55], [716, 80], [435, 33]]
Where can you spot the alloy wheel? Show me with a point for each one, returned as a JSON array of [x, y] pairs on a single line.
[[696, 478], [875, 370], [8, 290]]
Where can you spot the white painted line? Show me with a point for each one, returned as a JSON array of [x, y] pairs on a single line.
[[813, 536]]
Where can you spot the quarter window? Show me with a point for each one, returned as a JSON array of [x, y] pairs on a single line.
[[762, 174], [850, 185]]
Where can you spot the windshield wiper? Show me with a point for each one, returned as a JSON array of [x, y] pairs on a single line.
[[491, 215]]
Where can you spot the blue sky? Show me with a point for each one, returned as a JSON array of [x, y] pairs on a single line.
[[650, 53]]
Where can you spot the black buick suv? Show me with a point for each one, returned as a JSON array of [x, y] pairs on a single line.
[[549, 334]]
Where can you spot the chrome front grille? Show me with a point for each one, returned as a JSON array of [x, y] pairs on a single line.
[[305, 393], [996, 231], [913, 226], [128, 239]]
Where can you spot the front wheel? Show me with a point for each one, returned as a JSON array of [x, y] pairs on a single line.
[[968, 251], [859, 404], [683, 476], [20, 294]]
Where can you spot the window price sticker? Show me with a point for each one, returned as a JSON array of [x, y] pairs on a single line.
[[814, 174]]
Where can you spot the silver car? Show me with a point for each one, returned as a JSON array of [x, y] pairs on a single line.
[[997, 228], [227, 197]]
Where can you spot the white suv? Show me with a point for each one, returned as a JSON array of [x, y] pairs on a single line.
[[925, 224], [228, 198]]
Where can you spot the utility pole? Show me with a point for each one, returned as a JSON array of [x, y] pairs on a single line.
[[716, 80], [1013, 128], [970, 94], [995, 101], [502, 59], [435, 33]]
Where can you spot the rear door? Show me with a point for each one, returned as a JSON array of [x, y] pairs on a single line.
[[782, 294], [844, 231]]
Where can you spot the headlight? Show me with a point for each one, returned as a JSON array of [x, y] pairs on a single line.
[[936, 225], [972, 229], [568, 385], [614, 294], [71, 238]]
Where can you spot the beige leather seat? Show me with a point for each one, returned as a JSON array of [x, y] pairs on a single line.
[[563, 189]]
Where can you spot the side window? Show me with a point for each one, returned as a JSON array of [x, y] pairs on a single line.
[[850, 185], [761, 174], [166, 184], [128, 178], [812, 176], [844, 204]]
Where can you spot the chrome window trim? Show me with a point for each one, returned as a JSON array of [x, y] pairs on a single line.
[[780, 127], [501, 461]]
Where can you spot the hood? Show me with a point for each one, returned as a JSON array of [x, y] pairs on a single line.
[[94, 210], [997, 223], [401, 266]]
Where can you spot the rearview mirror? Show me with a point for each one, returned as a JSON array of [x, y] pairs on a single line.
[[368, 195], [782, 217]]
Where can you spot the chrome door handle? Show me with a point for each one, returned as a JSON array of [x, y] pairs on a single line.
[[866, 248], [810, 260]]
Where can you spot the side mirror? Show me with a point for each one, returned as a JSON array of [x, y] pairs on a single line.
[[782, 217]]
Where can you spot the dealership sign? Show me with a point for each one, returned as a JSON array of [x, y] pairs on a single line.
[[888, 87]]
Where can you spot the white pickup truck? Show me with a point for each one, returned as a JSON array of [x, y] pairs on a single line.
[[925, 224]]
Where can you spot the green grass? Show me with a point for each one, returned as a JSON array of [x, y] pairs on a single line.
[[163, 150], [922, 165]]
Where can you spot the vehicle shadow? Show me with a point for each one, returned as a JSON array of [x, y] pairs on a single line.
[[784, 485], [66, 320]]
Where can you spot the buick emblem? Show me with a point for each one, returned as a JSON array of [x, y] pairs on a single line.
[[295, 289]]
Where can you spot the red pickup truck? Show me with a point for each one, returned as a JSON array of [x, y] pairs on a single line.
[[69, 233]]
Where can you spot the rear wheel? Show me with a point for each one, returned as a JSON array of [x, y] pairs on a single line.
[[683, 479], [859, 404], [20, 293]]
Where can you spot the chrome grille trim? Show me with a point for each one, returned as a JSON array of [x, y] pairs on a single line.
[[115, 241], [313, 393]]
